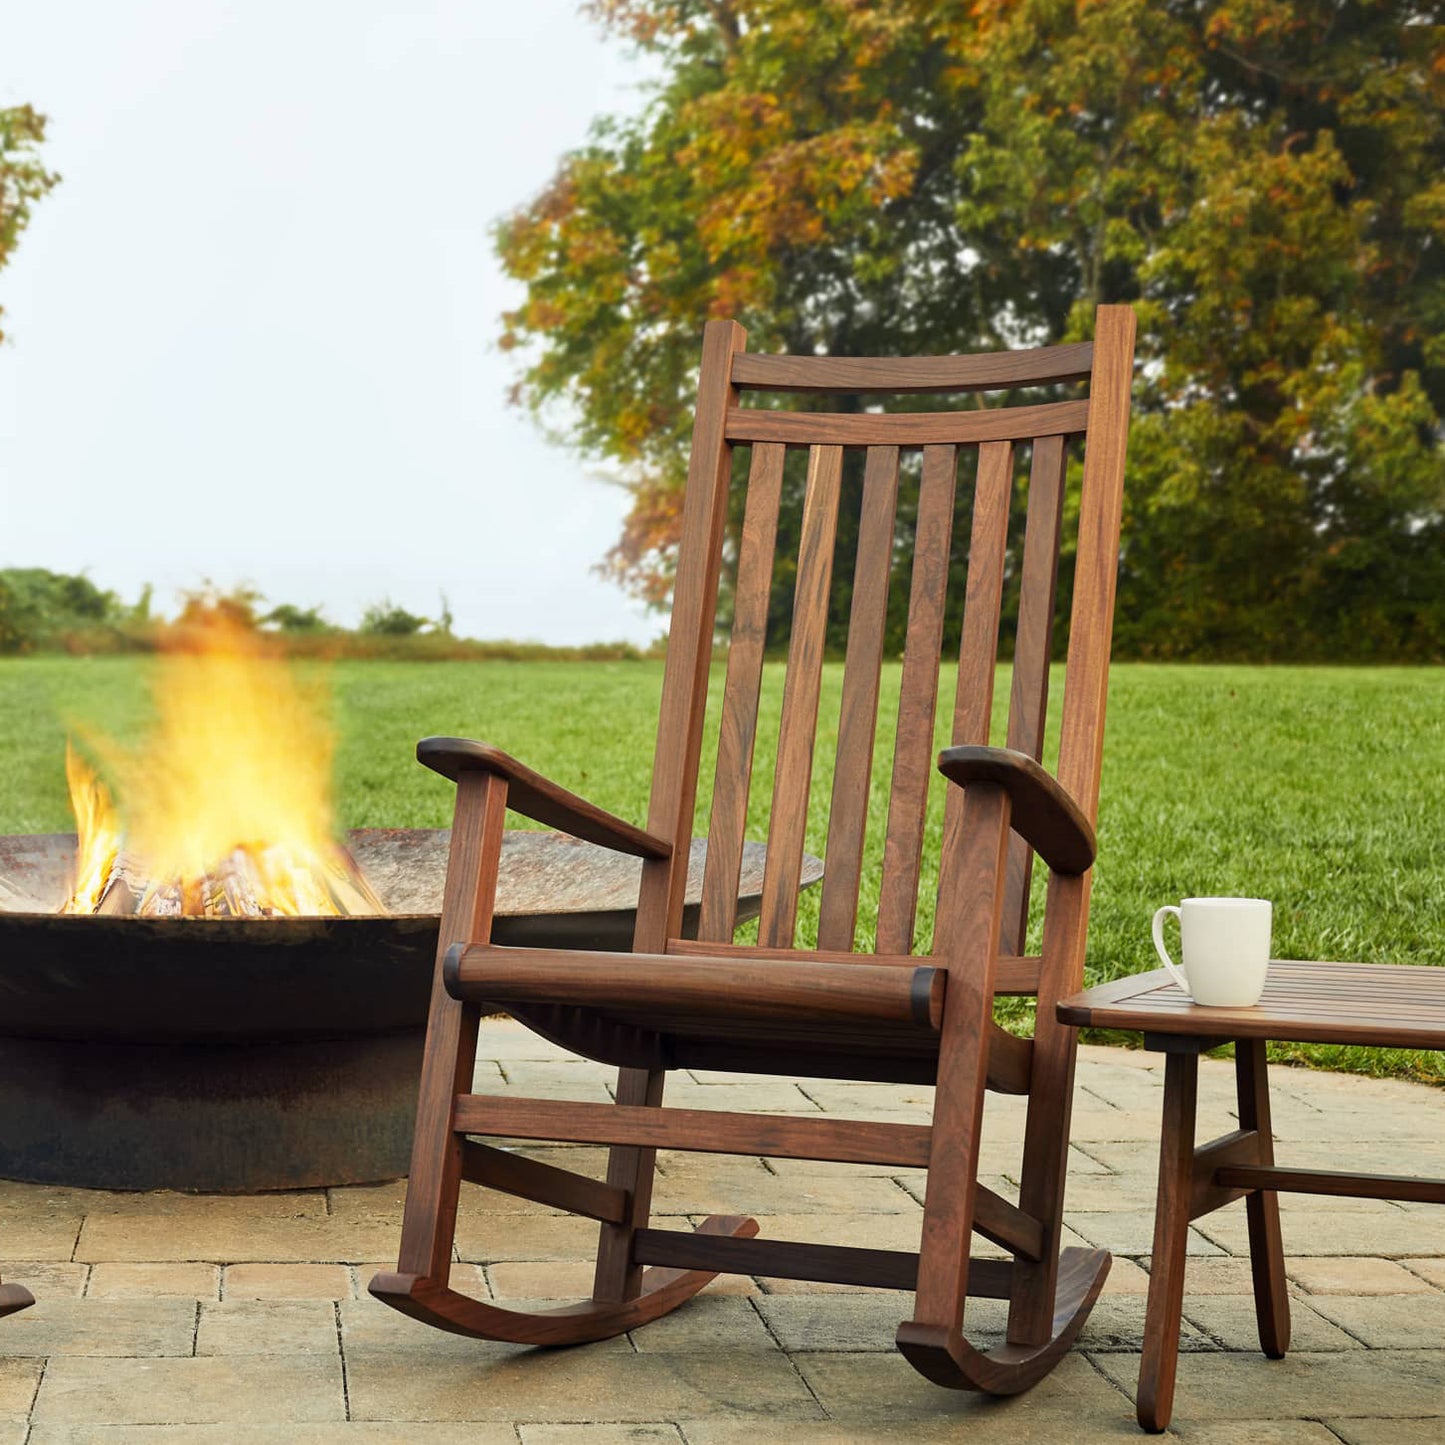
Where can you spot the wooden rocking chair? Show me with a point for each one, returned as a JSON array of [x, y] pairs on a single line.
[[14, 1297], [827, 1012]]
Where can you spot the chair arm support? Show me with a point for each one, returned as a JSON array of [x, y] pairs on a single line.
[[1045, 815], [538, 798]]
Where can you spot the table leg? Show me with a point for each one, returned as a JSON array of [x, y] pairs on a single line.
[[1266, 1246], [1171, 1236]]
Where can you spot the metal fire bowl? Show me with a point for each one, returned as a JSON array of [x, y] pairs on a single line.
[[238, 1055]]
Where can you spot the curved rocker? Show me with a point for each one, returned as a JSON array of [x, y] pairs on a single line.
[[946, 1358], [13, 1298], [662, 1291]]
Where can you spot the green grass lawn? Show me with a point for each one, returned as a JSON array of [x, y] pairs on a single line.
[[1319, 788]]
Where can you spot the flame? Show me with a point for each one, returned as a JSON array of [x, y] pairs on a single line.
[[98, 827], [227, 803]]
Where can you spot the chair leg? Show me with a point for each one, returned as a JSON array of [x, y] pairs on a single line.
[[1171, 1238], [1266, 1246], [619, 1276]]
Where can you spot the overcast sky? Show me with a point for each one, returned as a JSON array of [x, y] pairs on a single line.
[[252, 332]]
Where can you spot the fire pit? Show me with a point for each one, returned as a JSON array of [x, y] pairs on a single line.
[[243, 1054]]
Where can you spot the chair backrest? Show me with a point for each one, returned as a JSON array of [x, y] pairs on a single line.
[[724, 423]]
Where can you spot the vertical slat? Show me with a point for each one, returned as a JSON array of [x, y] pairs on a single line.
[[675, 759], [1066, 916], [983, 603], [858, 717], [983, 596], [799, 722], [1033, 644], [917, 703], [739, 725], [689, 642], [1091, 626]]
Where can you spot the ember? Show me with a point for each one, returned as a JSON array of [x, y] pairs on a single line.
[[227, 808]]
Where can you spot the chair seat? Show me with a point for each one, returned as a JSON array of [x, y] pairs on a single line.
[[751, 1010]]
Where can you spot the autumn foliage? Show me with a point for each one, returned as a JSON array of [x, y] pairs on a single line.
[[1264, 181]]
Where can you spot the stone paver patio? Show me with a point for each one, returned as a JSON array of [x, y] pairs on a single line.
[[166, 1317]]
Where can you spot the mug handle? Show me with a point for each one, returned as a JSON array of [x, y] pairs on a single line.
[[1176, 973]]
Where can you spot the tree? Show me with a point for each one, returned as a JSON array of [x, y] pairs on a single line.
[[387, 619], [23, 180], [1262, 179], [288, 617]]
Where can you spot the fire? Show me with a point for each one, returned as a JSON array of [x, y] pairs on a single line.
[[226, 806]]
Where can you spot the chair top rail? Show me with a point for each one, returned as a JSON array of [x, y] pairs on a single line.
[[907, 428], [849, 375]]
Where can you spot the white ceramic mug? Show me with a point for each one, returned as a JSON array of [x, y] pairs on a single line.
[[1226, 949]]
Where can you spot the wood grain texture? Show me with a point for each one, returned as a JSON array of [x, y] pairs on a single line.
[[858, 712], [1160, 1356], [709, 1131], [1266, 1244], [1096, 568], [917, 704], [525, 1178], [539, 798], [1380, 1005], [907, 428], [737, 732], [855, 376], [1033, 651], [429, 1219], [738, 987], [798, 728], [1043, 813], [689, 640]]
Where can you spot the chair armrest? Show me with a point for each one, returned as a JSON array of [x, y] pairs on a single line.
[[1050, 820], [539, 798]]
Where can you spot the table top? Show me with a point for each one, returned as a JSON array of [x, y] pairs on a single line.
[[1374, 1004]]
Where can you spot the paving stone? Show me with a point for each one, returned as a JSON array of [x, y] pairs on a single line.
[[152, 1281], [1226, 1386], [18, 1379], [234, 1240], [221, 1389], [746, 1187], [1230, 1319], [1390, 1432], [184, 1209], [863, 1389], [1014, 1422], [1130, 1231], [268, 1327], [42, 1238], [1335, 1232], [54, 1279], [347, 1433], [721, 1323], [1354, 1276], [371, 1328], [287, 1281], [1432, 1271], [855, 1323], [487, 1238], [1125, 1277], [752, 1098], [584, 1384], [1390, 1324], [660, 1434], [1260, 1432], [102, 1327]]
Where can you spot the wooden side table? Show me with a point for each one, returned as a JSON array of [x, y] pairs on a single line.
[[1378, 1005]]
